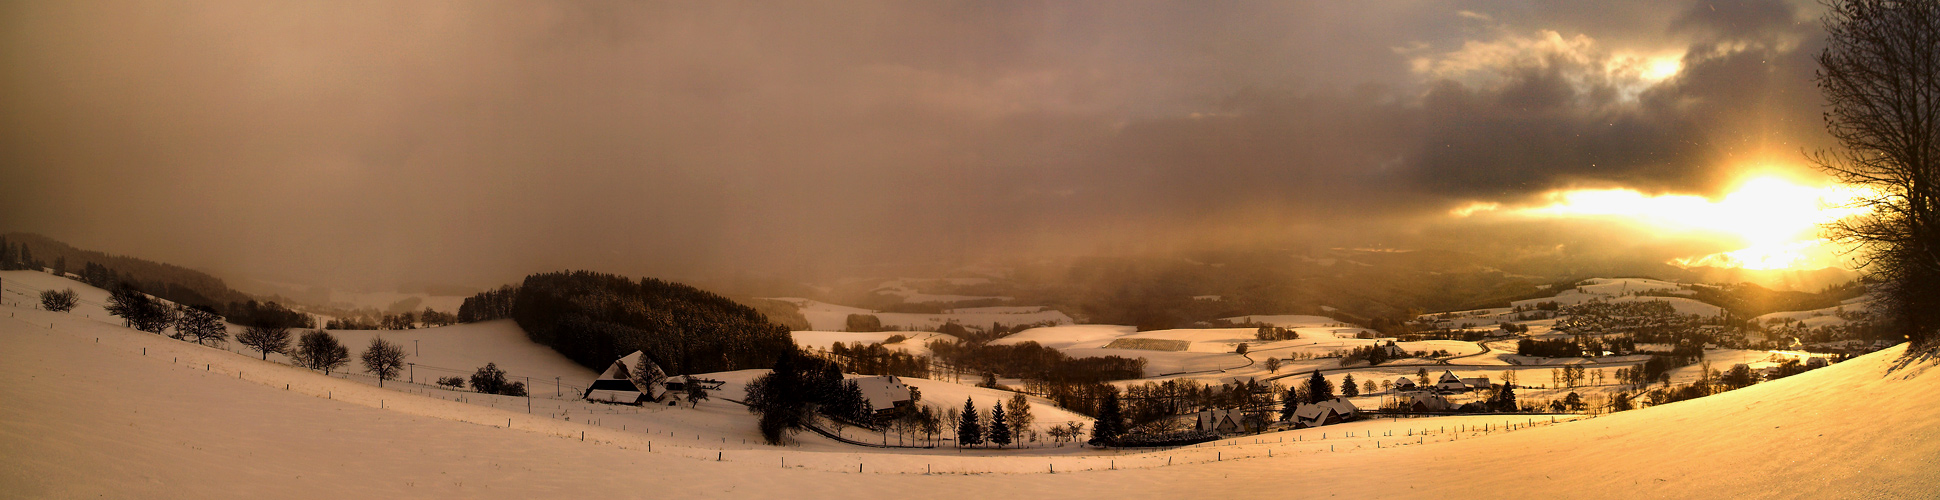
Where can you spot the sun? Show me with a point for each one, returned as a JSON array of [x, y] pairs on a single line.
[[1777, 221]]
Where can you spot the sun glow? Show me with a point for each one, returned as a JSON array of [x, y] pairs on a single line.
[[1777, 221]]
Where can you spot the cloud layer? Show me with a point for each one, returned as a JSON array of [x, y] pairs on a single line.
[[472, 142]]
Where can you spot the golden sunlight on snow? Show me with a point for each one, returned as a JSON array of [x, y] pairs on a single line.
[[1778, 221]]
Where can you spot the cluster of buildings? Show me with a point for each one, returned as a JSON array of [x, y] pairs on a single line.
[[620, 384]]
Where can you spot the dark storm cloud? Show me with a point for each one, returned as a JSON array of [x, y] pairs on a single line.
[[472, 142]]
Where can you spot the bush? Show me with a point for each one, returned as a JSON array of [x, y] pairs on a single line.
[[59, 300], [489, 379], [452, 382]]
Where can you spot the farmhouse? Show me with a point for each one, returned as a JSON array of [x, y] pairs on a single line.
[[1404, 384], [1393, 351], [1332, 411], [621, 384], [1220, 421], [1448, 382], [1424, 402], [887, 394]]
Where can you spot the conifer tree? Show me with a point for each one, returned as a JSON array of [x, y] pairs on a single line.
[[1505, 398], [969, 432], [999, 428], [1288, 404], [1319, 389], [1111, 422], [1348, 388]]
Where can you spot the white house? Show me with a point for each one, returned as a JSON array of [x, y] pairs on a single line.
[[621, 384], [886, 393]]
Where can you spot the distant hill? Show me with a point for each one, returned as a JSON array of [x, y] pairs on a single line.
[[174, 283], [168, 281]]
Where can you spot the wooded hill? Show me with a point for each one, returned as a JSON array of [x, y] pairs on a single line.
[[595, 318], [174, 283]]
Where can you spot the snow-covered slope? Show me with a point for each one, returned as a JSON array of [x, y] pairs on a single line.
[[459, 350], [81, 417]]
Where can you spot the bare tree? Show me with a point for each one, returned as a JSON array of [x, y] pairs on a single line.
[[384, 359], [139, 310], [1021, 418], [318, 350], [201, 325], [265, 339], [1880, 76]]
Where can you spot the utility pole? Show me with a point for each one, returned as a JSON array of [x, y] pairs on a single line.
[[414, 372], [414, 347], [556, 389]]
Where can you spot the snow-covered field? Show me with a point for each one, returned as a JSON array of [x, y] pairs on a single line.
[[93, 409], [914, 342]]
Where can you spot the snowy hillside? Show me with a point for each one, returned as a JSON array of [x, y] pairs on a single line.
[[191, 422], [1627, 290]]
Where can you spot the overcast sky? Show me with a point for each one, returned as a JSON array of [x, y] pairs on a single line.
[[351, 143]]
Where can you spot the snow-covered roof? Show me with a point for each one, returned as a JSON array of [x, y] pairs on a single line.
[[1313, 412], [882, 391]]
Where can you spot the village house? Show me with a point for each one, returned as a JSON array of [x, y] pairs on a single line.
[[1405, 384]]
